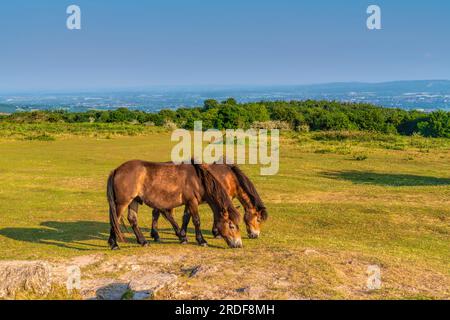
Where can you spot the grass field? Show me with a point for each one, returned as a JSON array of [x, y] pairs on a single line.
[[341, 202]]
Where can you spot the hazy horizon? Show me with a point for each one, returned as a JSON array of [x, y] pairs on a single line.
[[425, 94], [206, 87]]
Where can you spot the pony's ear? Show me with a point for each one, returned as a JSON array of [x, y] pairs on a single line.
[[264, 214]]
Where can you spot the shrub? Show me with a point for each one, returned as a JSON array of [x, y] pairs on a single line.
[[269, 125], [41, 137], [360, 157], [437, 125]]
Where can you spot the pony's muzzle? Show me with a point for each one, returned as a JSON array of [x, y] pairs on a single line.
[[235, 243], [254, 234]]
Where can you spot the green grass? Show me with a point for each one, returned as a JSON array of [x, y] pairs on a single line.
[[49, 131], [390, 208]]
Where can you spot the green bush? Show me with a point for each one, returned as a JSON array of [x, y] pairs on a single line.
[[437, 125]]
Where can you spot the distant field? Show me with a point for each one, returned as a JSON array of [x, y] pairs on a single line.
[[341, 202]]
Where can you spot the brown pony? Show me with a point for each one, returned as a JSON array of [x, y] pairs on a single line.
[[165, 186], [237, 185]]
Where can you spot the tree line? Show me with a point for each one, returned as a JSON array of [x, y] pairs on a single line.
[[295, 115]]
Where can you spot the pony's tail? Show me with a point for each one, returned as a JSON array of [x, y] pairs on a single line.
[[250, 189], [215, 192], [113, 220]]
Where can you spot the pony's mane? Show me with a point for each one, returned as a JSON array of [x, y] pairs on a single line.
[[216, 193], [250, 189]]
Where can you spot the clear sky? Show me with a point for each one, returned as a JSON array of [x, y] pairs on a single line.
[[227, 42]]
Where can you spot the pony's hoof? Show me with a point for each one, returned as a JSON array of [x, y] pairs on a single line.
[[115, 247], [144, 244], [154, 235], [157, 240], [183, 242], [204, 244], [217, 236]]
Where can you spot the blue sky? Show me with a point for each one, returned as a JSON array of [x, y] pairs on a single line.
[[229, 42]]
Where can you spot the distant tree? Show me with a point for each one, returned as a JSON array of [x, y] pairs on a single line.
[[230, 101], [104, 117], [256, 112], [210, 104], [210, 118]]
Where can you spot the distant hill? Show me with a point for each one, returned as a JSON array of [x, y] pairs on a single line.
[[415, 85]]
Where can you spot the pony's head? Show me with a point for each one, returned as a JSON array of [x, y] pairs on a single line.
[[254, 217], [226, 215], [228, 227], [255, 211]]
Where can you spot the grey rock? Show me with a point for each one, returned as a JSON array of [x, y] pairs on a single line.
[[103, 289], [147, 286], [113, 291]]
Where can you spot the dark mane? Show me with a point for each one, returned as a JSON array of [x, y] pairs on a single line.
[[216, 194], [250, 189]]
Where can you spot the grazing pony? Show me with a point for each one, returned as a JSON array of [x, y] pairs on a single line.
[[165, 186], [237, 185]]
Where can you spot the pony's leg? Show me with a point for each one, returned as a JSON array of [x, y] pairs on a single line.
[[215, 231], [154, 233], [112, 241], [193, 210], [169, 216], [183, 231], [132, 218]]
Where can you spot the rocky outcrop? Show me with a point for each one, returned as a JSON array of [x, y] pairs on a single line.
[[27, 276]]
